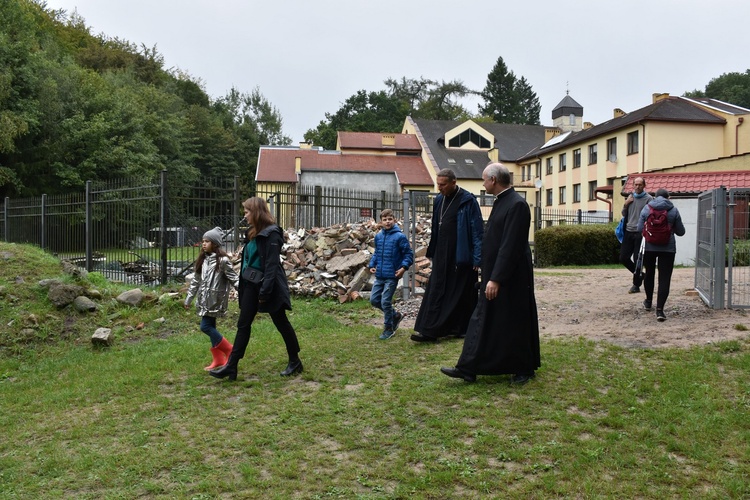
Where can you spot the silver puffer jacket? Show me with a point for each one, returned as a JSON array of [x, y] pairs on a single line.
[[210, 287]]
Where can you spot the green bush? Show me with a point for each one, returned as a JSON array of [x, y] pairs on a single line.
[[740, 252], [577, 245]]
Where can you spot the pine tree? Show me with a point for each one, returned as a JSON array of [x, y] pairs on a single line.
[[508, 99]]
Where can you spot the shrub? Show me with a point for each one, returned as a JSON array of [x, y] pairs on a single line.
[[740, 253], [577, 245]]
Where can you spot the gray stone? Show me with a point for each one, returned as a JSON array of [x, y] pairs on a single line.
[[45, 283], [61, 294], [103, 337], [348, 262], [359, 280], [84, 304], [132, 297], [73, 270], [94, 294]]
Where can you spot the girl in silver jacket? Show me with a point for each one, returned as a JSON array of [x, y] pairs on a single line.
[[210, 288]]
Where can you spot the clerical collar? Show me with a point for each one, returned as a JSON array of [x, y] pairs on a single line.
[[501, 192]]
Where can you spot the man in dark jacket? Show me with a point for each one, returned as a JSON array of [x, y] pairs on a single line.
[[631, 238], [663, 254], [503, 335], [455, 250]]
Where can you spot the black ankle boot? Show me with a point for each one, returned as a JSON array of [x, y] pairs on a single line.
[[228, 370], [292, 368], [225, 371]]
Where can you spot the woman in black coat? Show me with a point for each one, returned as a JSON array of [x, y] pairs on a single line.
[[263, 288]]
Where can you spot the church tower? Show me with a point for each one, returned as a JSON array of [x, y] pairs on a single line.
[[568, 115]]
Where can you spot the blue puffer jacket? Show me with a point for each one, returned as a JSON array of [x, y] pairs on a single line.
[[392, 251], [469, 230]]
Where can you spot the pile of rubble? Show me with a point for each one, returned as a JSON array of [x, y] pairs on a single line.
[[332, 261]]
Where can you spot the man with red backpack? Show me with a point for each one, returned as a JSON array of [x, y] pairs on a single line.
[[660, 221]]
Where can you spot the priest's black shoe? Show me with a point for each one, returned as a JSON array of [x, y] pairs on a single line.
[[422, 338], [456, 373], [292, 368], [521, 378], [224, 372]]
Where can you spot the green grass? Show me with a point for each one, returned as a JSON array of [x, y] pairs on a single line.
[[367, 418]]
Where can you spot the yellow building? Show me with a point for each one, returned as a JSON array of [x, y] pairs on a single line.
[[574, 166]]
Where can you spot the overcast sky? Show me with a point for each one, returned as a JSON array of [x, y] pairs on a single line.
[[308, 56]]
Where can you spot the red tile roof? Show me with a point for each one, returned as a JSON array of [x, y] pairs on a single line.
[[278, 165], [691, 182], [374, 140]]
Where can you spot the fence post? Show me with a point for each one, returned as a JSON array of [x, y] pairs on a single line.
[[88, 228], [318, 206], [719, 240], [5, 219], [408, 226], [43, 225], [163, 226], [236, 212], [579, 216]]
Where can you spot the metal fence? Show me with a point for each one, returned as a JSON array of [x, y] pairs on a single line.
[[722, 262], [149, 232], [130, 231], [545, 217], [319, 206]]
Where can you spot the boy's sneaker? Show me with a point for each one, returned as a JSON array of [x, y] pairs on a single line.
[[634, 289], [647, 304], [396, 320], [660, 315], [386, 334]]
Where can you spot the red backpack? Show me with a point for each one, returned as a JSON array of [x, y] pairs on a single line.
[[657, 230]]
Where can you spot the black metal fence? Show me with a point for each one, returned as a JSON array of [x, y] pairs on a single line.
[[131, 231], [544, 217], [319, 206], [149, 231]]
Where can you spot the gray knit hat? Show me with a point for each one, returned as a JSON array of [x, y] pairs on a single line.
[[215, 235]]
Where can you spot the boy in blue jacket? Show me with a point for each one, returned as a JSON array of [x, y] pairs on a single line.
[[392, 258]]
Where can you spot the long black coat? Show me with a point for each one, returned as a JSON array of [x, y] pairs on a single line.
[[503, 334], [274, 289]]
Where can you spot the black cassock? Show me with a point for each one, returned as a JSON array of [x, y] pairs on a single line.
[[451, 293], [503, 334]]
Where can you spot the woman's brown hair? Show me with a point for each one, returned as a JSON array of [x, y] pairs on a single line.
[[260, 216]]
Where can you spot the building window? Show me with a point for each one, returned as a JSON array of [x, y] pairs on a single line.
[[576, 193], [576, 158], [538, 167], [633, 143], [563, 162], [561, 201], [612, 149], [467, 136], [452, 161], [549, 197], [592, 190], [485, 199], [549, 166], [592, 154]]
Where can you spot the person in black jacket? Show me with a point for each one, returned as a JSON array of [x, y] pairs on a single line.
[[263, 288]]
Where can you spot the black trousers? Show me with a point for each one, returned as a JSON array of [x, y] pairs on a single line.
[[665, 263], [631, 245], [248, 310]]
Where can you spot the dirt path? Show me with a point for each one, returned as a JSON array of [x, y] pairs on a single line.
[[594, 303]]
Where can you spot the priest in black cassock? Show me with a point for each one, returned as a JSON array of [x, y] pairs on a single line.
[[503, 333], [455, 245]]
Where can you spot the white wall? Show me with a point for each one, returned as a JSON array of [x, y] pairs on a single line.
[[375, 182], [686, 244]]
